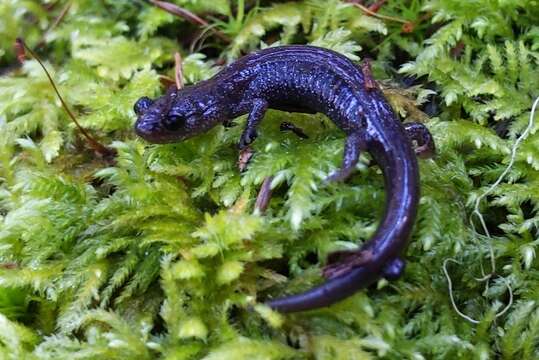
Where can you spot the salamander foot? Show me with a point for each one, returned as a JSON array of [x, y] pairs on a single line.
[[249, 135], [421, 139], [394, 269], [352, 145]]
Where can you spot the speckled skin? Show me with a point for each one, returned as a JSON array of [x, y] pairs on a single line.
[[307, 79]]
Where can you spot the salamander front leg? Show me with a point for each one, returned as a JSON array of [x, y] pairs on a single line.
[[350, 158], [258, 109], [421, 139]]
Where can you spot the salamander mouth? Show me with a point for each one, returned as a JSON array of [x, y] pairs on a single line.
[[154, 133]]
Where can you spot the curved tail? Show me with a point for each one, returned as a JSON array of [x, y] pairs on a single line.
[[392, 150]]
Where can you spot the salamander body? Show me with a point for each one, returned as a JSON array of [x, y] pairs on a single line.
[[309, 79]]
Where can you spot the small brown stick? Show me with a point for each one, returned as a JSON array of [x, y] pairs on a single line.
[[94, 144], [55, 23], [9, 265], [370, 83], [264, 195], [245, 155], [19, 51], [187, 15], [178, 73], [166, 81], [367, 11], [181, 12]]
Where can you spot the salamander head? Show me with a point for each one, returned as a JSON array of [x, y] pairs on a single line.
[[177, 115]]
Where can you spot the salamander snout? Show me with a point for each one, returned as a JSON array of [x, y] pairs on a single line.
[[170, 118], [149, 125], [177, 115]]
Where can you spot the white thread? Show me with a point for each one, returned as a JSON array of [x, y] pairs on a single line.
[[455, 307], [477, 213]]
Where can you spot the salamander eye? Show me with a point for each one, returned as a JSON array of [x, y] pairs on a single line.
[[142, 105], [173, 122]]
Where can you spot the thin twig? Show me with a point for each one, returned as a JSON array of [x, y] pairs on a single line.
[[20, 52], [264, 196], [94, 144], [166, 81], [244, 158], [187, 15], [55, 23], [178, 73], [375, 14], [179, 11], [9, 265]]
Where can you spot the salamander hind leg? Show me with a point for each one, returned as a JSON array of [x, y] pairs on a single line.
[[350, 158], [341, 262], [421, 139], [258, 109]]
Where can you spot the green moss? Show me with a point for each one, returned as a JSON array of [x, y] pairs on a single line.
[[160, 254]]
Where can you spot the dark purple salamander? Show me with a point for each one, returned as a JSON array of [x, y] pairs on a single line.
[[310, 79]]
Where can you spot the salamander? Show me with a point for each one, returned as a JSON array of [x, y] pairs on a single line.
[[301, 78]]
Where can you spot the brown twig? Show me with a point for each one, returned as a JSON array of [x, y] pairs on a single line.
[[244, 158], [166, 81], [19, 51], [187, 15], [55, 23], [9, 265], [181, 12], [369, 81], [178, 73], [264, 195], [94, 144], [368, 11]]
